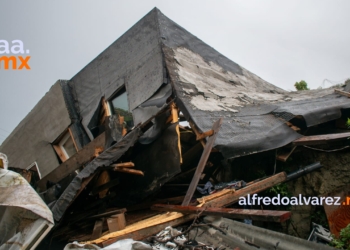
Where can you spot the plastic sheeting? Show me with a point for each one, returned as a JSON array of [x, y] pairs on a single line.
[[24, 217], [127, 244], [165, 235]]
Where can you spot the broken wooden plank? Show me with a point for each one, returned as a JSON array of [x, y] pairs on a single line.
[[129, 171], [97, 231], [344, 93], [235, 213], [73, 163], [228, 198], [295, 128], [124, 165], [116, 222], [60, 153], [143, 229], [202, 162], [175, 119], [283, 156], [321, 139], [199, 135], [205, 134]]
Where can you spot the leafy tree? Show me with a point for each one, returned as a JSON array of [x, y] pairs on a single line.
[[302, 85], [343, 242]]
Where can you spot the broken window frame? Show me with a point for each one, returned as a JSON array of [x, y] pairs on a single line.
[[105, 111], [59, 148], [122, 90], [36, 168]]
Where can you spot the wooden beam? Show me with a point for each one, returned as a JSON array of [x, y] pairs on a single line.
[[295, 128], [200, 136], [106, 107], [124, 165], [175, 119], [129, 171], [97, 231], [116, 222], [321, 139], [227, 197], [283, 156], [340, 92], [73, 163], [234, 213], [202, 162], [205, 134], [145, 228], [60, 152]]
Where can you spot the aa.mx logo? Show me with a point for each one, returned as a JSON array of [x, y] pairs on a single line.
[[13, 52]]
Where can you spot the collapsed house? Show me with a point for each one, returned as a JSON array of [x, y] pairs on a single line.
[[153, 116]]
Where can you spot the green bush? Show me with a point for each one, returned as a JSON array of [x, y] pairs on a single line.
[[302, 85], [343, 242]]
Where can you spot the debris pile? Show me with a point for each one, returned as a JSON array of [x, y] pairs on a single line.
[[159, 128]]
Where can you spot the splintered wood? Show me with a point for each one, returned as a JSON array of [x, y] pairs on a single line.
[[73, 163], [175, 119], [125, 168], [321, 139], [153, 225], [124, 165], [254, 188], [116, 222], [144, 228], [202, 162], [235, 213], [344, 93], [129, 171]]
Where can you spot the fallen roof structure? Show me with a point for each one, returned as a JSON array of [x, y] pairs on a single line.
[[127, 106], [155, 59]]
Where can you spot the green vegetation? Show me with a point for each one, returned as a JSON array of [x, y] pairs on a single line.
[[343, 242], [348, 123], [281, 189], [302, 85]]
